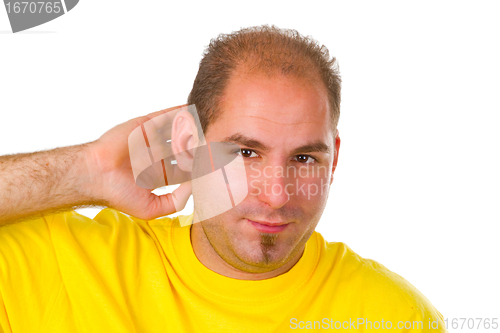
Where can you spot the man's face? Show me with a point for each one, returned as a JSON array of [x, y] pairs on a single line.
[[283, 128]]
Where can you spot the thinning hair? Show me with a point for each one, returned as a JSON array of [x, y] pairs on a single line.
[[261, 50]]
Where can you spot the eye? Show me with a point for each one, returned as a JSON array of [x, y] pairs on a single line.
[[305, 159], [247, 153]]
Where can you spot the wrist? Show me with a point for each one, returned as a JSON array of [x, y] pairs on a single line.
[[92, 181]]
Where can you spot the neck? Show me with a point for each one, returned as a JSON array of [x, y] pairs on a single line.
[[211, 259]]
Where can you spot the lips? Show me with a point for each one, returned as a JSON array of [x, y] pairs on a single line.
[[269, 227]]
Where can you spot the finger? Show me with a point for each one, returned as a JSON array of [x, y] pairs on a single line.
[[171, 202], [151, 138]]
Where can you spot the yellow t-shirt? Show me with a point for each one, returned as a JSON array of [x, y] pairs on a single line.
[[68, 273]]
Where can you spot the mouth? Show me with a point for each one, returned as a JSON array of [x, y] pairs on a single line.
[[268, 227]]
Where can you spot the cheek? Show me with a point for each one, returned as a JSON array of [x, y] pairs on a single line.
[[236, 180], [210, 195], [310, 192], [221, 190], [309, 185]]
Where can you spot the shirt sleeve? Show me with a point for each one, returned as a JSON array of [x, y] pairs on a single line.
[[30, 280], [410, 310], [60, 270]]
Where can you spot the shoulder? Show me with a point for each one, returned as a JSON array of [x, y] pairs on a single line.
[[373, 288], [373, 278], [108, 227], [107, 220]]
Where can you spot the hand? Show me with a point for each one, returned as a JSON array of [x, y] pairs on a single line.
[[113, 180]]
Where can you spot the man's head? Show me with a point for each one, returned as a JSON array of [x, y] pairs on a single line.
[[261, 50], [276, 95]]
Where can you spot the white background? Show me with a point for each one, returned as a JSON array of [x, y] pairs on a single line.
[[417, 186]]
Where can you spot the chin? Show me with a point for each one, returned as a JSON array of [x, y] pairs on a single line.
[[263, 255]]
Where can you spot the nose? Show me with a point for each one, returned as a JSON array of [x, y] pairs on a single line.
[[272, 188]]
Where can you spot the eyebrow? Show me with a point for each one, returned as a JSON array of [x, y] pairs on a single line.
[[242, 140]]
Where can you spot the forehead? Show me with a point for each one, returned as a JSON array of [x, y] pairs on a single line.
[[281, 109]]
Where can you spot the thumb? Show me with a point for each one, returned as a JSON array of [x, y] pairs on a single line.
[[170, 203], [180, 196]]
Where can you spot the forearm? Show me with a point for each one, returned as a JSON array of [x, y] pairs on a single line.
[[44, 182]]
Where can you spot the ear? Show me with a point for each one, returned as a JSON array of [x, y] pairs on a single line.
[[336, 155], [184, 140]]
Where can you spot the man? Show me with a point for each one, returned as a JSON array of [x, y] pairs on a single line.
[[257, 267]]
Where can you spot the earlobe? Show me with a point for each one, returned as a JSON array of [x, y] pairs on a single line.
[[184, 140]]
